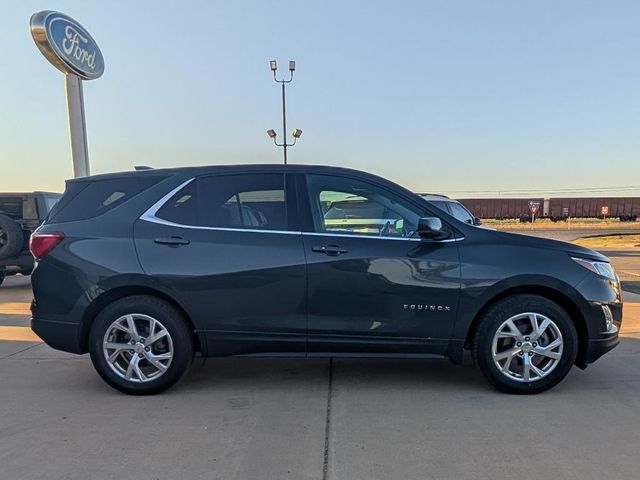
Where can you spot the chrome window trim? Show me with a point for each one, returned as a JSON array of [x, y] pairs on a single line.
[[346, 235], [355, 235], [150, 216]]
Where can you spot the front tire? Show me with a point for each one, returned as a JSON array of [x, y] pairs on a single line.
[[141, 345], [525, 344]]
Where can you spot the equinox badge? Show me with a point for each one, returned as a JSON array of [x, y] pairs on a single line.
[[424, 306]]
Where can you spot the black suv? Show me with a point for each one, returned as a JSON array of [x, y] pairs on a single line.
[[142, 269], [20, 214]]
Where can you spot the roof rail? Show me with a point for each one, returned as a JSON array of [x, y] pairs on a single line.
[[433, 195]]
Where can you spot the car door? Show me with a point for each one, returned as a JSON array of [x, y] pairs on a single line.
[[373, 286], [224, 245]]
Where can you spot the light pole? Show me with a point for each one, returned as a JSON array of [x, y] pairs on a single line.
[[297, 133]]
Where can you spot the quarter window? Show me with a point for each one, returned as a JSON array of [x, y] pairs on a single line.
[[347, 206], [230, 201], [90, 198]]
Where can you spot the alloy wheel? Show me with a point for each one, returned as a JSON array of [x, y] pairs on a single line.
[[138, 348], [527, 347]]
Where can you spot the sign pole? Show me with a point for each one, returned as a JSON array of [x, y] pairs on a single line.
[[73, 51], [77, 126]]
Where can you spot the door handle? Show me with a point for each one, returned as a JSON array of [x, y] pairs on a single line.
[[332, 250], [172, 241]]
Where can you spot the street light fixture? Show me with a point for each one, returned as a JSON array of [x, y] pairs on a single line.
[[297, 132]]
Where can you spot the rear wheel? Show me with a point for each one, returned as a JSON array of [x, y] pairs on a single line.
[[141, 345], [525, 344]]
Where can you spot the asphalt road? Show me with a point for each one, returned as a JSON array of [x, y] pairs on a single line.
[[569, 235], [347, 419]]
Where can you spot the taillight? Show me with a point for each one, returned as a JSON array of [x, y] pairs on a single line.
[[41, 243]]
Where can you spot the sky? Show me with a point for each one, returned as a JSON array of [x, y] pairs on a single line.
[[468, 98]]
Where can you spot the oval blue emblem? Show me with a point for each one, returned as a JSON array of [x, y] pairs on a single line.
[[66, 44]]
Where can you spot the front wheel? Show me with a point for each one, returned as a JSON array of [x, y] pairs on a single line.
[[525, 344], [141, 345]]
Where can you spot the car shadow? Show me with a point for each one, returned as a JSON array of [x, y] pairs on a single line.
[[612, 371]]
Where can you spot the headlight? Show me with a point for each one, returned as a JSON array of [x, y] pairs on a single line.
[[599, 268]]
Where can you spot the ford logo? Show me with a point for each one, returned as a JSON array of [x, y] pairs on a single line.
[[66, 44]]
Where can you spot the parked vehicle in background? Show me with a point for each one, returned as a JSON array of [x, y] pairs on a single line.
[[20, 215], [141, 269], [452, 207]]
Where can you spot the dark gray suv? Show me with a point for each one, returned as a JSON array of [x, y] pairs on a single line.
[[143, 269]]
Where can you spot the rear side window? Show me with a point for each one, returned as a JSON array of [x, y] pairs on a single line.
[[83, 200], [230, 201], [461, 213], [50, 202], [441, 205]]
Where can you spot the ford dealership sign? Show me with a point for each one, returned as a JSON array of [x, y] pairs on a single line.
[[67, 45]]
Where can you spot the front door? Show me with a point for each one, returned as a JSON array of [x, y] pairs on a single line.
[[223, 246], [373, 286]]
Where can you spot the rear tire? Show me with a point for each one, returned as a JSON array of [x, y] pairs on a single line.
[[11, 238], [141, 345], [519, 358]]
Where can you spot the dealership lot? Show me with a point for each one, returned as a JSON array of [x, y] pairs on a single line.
[[250, 418]]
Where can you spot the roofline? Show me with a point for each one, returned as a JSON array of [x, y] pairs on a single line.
[[229, 168]]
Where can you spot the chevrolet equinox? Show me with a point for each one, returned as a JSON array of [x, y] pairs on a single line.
[[142, 269]]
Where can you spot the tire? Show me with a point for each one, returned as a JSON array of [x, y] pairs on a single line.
[[141, 368], [11, 238], [500, 351]]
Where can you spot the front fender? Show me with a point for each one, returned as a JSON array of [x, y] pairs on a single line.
[[475, 298]]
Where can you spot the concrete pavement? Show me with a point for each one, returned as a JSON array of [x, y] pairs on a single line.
[[247, 418]]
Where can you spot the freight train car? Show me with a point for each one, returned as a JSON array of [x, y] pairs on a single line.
[[500, 208], [593, 207], [624, 208]]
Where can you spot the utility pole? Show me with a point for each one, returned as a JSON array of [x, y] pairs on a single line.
[[297, 133]]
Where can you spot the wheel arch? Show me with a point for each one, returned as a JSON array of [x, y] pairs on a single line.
[[552, 294], [119, 292]]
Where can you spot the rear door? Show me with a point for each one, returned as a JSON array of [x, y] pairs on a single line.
[[226, 245], [373, 286]]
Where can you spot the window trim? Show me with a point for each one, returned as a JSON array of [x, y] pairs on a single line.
[[150, 216]]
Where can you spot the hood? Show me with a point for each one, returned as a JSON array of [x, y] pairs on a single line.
[[547, 243]]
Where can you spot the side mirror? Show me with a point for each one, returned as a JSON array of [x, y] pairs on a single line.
[[477, 221], [430, 228]]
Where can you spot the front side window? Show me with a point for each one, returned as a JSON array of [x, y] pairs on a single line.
[[348, 206], [254, 201]]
